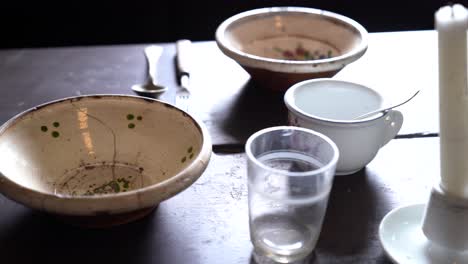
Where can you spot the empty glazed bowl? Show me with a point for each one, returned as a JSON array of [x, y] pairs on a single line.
[[280, 46], [101, 160]]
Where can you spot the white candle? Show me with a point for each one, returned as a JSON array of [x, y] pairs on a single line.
[[451, 24]]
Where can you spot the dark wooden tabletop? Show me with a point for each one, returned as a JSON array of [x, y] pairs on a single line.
[[208, 222]]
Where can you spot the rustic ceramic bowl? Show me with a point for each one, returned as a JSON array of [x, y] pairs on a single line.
[[280, 46], [101, 160]]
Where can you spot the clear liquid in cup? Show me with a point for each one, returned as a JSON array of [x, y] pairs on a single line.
[[282, 238], [290, 161], [286, 229]]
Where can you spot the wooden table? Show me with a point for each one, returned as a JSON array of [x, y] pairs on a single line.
[[208, 222]]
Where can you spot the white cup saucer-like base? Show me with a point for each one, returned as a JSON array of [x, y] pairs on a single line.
[[403, 240], [343, 173]]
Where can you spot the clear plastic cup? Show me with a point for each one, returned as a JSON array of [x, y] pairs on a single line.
[[290, 175]]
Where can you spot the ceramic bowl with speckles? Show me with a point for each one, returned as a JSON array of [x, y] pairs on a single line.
[[101, 160], [280, 46]]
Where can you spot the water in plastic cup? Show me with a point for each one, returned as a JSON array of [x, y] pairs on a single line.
[[290, 174]]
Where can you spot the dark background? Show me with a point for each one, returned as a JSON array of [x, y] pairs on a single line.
[[71, 23]]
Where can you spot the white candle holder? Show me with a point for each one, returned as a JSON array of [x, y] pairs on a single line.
[[445, 221], [436, 232]]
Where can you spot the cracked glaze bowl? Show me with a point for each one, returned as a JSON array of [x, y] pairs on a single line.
[[101, 160], [280, 46]]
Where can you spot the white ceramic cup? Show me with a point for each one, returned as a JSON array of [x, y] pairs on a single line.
[[328, 106]]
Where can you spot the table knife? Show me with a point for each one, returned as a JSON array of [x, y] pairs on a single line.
[[183, 61]]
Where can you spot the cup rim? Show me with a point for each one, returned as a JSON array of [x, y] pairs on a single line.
[[327, 166], [289, 101]]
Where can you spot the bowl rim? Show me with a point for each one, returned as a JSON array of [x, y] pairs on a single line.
[[300, 66], [290, 102], [186, 176]]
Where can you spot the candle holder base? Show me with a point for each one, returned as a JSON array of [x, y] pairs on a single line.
[[445, 220], [403, 240]]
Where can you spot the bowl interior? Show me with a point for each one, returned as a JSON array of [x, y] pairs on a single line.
[[97, 145], [333, 99], [293, 35]]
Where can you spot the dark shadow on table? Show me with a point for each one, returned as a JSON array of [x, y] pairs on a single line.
[[355, 202], [37, 237], [311, 259], [253, 109]]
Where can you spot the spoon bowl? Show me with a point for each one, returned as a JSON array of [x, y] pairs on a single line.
[[152, 54], [148, 88]]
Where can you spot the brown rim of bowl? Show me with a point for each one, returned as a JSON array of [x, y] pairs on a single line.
[[305, 66]]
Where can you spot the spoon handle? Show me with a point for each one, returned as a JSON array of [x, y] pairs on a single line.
[[386, 108], [152, 54]]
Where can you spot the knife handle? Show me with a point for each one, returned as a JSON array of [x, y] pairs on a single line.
[[183, 48]]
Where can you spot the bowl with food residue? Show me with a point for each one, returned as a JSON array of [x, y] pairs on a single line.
[[280, 46], [101, 160]]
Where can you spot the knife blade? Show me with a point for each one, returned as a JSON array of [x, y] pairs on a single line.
[[183, 49]]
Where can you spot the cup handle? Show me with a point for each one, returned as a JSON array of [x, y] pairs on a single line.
[[394, 121]]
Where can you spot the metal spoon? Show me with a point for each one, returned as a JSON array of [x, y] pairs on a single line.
[[383, 109], [152, 54]]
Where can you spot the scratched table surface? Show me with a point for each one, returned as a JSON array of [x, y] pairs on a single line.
[[208, 222]]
